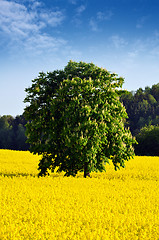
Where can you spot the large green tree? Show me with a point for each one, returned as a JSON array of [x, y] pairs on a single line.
[[75, 120]]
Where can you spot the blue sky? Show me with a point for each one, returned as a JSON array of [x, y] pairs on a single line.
[[36, 35]]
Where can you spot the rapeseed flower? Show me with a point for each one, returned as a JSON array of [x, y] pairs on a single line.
[[112, 205]]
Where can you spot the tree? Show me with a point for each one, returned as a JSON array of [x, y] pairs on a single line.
[[5, 131], [148, 141], [142, 107], [18, 132], [75, 120], [12, 133]]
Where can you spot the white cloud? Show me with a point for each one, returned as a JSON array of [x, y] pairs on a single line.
[[74, 2], [80, 9], [100, 16], [77, 20], [141, 21], [11, 11], [148, 46], [35, 5], [94, 25], [26, 25], [118, 41], [52, 18], [133, 53], [43, 42], [104, 15]]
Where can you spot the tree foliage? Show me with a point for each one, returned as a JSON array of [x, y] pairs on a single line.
[[143, 111], [148, 141], [75, 120], [142, 107], [12, 133]]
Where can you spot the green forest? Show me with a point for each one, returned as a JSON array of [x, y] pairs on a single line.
[[142, 107], [12, 133]]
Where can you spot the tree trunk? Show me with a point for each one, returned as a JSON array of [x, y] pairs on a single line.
[[86, 171]]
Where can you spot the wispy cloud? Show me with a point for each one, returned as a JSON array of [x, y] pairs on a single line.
[[77, 20], [100, 17], [73, 1], [93, 24], [118, 42], [52, 18], [137, 47], [148, 46], [152, 45], [80, 9], [35, 4], [141, 21], [26, 24], [44, 43]]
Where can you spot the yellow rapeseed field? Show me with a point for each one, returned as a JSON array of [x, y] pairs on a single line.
[[112, 205]]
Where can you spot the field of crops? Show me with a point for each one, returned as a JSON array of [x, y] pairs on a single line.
[[112, 205]]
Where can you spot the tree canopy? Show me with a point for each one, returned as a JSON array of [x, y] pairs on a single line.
[[76, 120]]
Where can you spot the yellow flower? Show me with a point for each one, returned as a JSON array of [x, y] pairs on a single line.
[[113, 205]]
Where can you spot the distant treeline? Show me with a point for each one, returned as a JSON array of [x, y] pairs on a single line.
[[143, 111], [12, 133], [142, 107]]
